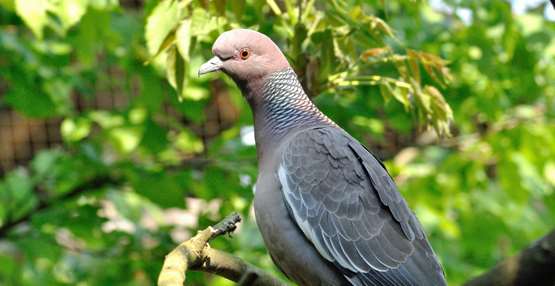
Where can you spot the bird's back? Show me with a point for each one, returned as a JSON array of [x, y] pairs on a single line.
[[349, 210]]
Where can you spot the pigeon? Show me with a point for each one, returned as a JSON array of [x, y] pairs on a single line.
[[328, 210]]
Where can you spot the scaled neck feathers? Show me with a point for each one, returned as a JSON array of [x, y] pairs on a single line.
[[281, 107]]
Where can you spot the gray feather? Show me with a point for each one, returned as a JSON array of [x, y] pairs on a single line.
[[348, 206]]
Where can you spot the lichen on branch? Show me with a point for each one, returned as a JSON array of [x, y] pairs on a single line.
[[195, 254]]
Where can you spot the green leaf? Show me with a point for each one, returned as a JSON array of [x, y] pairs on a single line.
[[440, 112], [326, 55], [183, 36], [397, 89], [195, 93], [168, 42], [44, 162], [273, 5], [401, 94], [8, 5], [59, 15], [126, 138], [176, 70], [106, 119], [161, 22], [549, 172], [59, 92], [75, 129], [386, 90], [28, 99], [69, 11], [296, 53], [188, 142], [155, 137], [16, 193], [150, 185], [381, 26], [34, 14], [238, 8], [203, 23]]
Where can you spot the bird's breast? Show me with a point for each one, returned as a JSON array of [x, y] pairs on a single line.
[[289, 248]]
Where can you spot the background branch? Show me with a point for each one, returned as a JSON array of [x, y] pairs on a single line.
[[195, 254], [534, 265], [93, 183]]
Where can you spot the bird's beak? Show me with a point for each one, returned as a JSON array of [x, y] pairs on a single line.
[[214, 64]]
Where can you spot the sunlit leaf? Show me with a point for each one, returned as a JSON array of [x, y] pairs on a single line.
[[441, 113], [183, 39], [75, 129], [168, 42], [273, 5], [125, 138], [549, 172], [33, 12], [176, 70], [202, 23], [161, 22], [69, 11], [188, 142]]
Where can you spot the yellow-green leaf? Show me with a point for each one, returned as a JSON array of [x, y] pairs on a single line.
[[273, 5], [33, 13], [75, 129], [163, 19], [183, 37], [168, 41], [188, 142], [69, 11], [176, 70]]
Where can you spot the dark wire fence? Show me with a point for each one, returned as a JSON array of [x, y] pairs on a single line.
[[22, 137]]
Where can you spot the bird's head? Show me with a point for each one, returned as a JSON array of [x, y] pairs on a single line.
[[245, 55]]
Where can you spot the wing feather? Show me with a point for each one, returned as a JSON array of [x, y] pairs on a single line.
[[347, 205]]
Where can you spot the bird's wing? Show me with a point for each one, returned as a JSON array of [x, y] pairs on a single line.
[[347, 205]]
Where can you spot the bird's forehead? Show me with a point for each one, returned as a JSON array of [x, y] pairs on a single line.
[[224, 45], [231, 41]]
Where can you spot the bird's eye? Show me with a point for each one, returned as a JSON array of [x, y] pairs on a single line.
[[245, 54]]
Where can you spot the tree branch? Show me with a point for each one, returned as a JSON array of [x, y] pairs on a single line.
[[534, 265], [94, 183], [195, 254]]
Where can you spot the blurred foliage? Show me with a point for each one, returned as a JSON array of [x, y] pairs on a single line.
[[333, 46], [379, 70]]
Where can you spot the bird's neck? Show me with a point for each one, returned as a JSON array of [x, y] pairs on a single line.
[[280, 107]]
